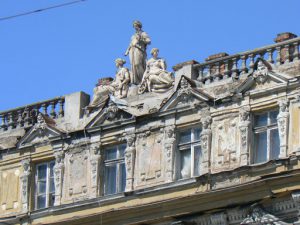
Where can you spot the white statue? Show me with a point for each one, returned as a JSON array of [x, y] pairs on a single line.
[[156, 78], [137, 52], [101, 93], [122, 80]]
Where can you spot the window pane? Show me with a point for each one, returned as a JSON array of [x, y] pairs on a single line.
[[273, 117], [51, 168], [41, 187], [51, 199], [122, 150], [51, 187], [275, 145], [197, 132], [261, 120], [110, 179], [185, 161], [185, 137], [261, 147], [41, 202], [122, 177], [42, 172], [111, 154], [197, 160]]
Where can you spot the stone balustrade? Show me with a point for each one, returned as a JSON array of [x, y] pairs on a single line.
[[243, 63], [27, 116]]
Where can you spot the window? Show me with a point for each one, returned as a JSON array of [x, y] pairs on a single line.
[[44, 196], [189, 152], [266, 137], [115, 173]]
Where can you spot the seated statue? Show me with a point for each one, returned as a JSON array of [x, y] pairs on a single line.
[[156, 78], [122, 80], [117, 87]]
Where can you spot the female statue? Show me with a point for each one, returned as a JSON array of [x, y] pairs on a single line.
[[137, 52], [156, 78], [122, 80]]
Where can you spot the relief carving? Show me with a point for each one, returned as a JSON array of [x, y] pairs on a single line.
[[58, 175], [169, 149], [245, 129], [95, 162], [205, 137], [226, 143], [130, 161], [25, 178], [283, 123], [150, 164]]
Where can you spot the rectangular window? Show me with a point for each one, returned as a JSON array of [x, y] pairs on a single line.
[[189, 152], [266, 137], [44, 188], [114, 170]]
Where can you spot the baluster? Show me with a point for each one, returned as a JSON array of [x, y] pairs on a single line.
[[296, 51], [234, 68], [200, 77], [287, 54], [226, 71], [278, 58], [4, 121], [53, 113], [61, 108], [11, 122], [217, 74], [20, 119], [251, 64], [244, 66], [270, 55], [45, 106]]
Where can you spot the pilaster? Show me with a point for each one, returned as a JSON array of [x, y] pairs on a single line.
[[25, 182], [245, 130], [205, 137], [283, 123]]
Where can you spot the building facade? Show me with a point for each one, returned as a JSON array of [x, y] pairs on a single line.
[[213, 143]]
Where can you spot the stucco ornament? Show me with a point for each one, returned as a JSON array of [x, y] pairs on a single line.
[[156, 78], [169, 147], [137, 52], [260, 75]]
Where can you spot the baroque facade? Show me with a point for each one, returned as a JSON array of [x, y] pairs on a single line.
[[212, 143]]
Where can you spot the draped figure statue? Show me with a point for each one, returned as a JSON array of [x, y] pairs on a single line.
[[137, 53], [156, 78]]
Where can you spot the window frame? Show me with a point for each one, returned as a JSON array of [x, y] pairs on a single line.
[[268, 128], [189, 146], [48, 180], [118, 162]]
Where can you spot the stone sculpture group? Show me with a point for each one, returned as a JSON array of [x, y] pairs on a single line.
[[144, 75]]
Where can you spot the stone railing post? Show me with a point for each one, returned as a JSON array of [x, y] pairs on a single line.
[[95, 169], [25, 180], [205, 138], [130, 161], [283, 123], [58, 175], [169, 147], [245, 129]]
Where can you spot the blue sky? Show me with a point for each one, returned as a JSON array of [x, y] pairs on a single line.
[[67, 49]]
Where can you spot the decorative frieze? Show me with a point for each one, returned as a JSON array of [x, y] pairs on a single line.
[[25, 182], [245, 130], [219, 219], [283, 126]]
